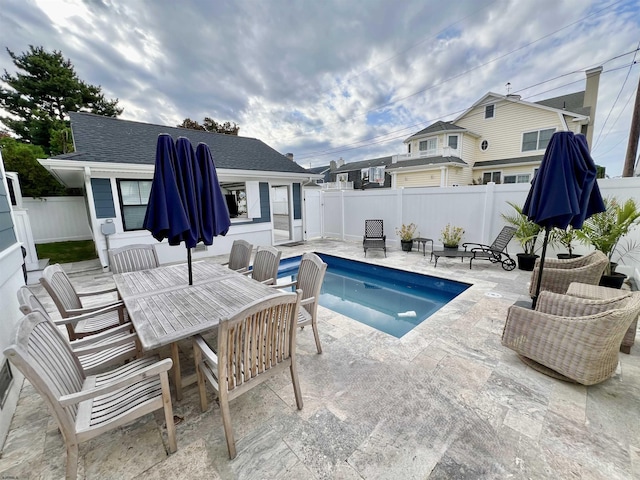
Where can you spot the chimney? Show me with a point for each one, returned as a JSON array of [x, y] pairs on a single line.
[[340, 162], [332, 166], [289, 156], [591, 99]]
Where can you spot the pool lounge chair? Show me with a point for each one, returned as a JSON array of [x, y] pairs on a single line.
[[496, 252], [374, 236]]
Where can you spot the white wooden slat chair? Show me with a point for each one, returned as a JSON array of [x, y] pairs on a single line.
[[254, 345], [68, 301], [86, 406], [309, 279], [131, 258], [240, 256], [265, 265], [95, 352]]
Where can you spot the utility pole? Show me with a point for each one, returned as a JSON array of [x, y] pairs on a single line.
[[634, 135]]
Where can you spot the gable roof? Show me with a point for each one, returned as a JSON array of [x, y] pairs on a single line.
[[374, 162], [573, 102], [112, 140], [436, 128]]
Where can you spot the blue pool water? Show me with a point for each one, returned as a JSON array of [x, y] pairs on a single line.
[[381, 297]]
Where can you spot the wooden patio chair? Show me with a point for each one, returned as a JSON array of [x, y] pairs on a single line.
[[132, 258], [309, 279], [86, 406], [95, 352], [558, 274], [570, 338], [374, 236], [496, 252], [240, 256], [265, 265], [254, 345], [69, 304]]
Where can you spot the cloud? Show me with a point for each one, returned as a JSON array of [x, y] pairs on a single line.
[[310, 77]]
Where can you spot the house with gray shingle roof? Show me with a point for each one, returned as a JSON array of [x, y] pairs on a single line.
[[114, 162], [364, 174], [500, 138]]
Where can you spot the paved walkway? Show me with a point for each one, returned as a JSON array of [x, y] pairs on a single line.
[[445, 401]]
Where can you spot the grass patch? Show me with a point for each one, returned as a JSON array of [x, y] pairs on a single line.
[[67, 252]]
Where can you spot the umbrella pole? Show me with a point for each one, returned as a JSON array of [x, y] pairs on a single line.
[[544, 253], [189, 263]]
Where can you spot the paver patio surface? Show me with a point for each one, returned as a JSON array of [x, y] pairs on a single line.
[[446, 401]]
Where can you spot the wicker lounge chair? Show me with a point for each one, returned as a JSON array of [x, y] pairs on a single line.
[[254, 345], [570, 338], [374, 236], [596, 292], [557, 275], [133, 258], [87, 406], [496, 252]]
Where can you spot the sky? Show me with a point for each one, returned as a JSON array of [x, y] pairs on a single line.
[[334, 79]]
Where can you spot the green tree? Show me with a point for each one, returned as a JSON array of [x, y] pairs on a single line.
[[40, 95], [210, 125], [35, 181]]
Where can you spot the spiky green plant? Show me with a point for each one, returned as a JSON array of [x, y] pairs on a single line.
[[526, 231]]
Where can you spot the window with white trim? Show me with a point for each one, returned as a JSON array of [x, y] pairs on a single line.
[[243, 199], [537, 140], [452, 141], [342, 177], [489, 111], [484, 145], [372, 175], [429, 146], [519, 178], [134, 196], [490, 177]]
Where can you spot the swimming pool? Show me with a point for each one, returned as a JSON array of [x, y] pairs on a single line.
[[390, 300]]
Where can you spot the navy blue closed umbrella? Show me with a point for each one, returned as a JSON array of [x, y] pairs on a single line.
[[185, 204], [564, 191]]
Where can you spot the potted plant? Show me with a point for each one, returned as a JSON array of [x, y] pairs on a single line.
[[565, 238], [406, 233], [526, 234], [604, 230], [451, 236]]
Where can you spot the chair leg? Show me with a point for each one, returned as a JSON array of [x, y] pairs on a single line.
[[168, 412], [314, 326], [72, 461], [226, 422], [202, 383], [296, 383]]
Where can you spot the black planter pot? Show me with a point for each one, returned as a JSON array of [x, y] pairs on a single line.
[[407, 245], [614, 280], [566, 256], [526, 262]]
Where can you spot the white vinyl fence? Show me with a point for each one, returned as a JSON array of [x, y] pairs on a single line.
[[58, 219], [477, 209]]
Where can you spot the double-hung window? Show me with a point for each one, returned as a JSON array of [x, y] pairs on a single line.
[[372, 175], [134, 196], [520, 178], [537, 140], [429, 146], [452, 141], [489, 111], [490, 177]]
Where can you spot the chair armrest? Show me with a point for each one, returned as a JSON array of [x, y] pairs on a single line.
[[307, 301], [283, 285], [79, 314], [93, 348], [102, 336], [268, 281], [89, 293], [142, 374], [477, 245], [206, 350]]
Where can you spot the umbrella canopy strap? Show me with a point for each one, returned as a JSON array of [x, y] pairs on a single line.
[[544, 253]]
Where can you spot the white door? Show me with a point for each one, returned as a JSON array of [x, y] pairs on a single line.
[[312, 214]]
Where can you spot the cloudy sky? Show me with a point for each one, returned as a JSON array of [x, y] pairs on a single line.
[[338, 78]]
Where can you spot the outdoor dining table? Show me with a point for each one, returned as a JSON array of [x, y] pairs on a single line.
[[165, 309]]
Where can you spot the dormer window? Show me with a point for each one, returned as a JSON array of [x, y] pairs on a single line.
[[489, 111]]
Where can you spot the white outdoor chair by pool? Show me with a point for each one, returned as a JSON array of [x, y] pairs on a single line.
[[86, 406]]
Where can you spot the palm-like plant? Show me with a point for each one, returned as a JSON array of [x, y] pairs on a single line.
[[526, 231], [604, 230]]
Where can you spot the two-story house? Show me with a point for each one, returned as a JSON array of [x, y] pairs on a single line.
[[500, 138]]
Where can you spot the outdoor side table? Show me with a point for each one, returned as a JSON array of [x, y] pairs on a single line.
[[423, 241]]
